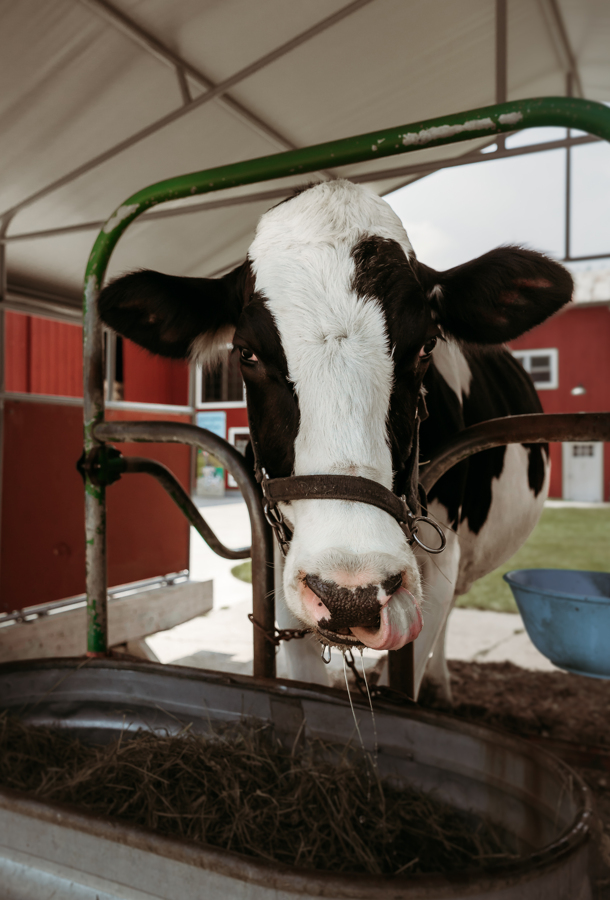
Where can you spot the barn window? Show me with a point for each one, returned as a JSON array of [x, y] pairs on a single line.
[[542, 367], [223, 384], [583, 450]]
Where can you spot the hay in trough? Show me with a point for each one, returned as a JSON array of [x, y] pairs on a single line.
[[241, 790]]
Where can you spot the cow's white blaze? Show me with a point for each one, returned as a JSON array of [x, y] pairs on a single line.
[[340, 363]]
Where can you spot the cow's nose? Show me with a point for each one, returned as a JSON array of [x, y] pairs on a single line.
[[351, 607]]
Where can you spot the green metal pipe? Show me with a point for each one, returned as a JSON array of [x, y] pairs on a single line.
[[566, 112]]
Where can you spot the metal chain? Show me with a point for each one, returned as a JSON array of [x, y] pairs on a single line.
[[275, 518], [280, 634], [359, 679]]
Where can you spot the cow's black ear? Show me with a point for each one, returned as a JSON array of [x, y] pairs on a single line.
[[174, 316], [498, 296]]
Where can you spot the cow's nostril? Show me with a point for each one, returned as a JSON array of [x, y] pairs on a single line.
[[351, 607], [391, 584]]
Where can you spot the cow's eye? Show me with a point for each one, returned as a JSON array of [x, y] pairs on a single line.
[[428, 347], [247, 356]]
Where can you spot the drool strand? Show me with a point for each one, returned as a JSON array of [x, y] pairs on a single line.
[[352, 705], [366, 684]]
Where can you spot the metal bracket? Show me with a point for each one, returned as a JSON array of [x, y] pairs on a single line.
[[102, 465]]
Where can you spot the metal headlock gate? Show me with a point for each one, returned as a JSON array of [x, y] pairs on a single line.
[[101, 464]]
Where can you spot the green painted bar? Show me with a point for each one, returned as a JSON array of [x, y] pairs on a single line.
[[566, 112]]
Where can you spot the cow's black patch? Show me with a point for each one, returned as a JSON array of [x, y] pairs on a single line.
[[382, 272], [166, 313], [445, 419], [273, 410], [499, 387], [498, 296], [348, 607]]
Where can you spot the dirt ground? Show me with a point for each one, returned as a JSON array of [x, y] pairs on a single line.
[[567, 714]]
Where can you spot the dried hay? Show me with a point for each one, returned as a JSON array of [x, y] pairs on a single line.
[[241, 790]]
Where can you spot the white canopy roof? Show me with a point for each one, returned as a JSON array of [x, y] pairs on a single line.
[[82, 76]]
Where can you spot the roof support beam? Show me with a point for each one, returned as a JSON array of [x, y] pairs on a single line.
[[183, 69], [501, 59], [217, 91], [501, 51], [561, 43]]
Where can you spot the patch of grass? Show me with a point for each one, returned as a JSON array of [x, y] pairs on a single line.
[[563, 539], [243, 571]]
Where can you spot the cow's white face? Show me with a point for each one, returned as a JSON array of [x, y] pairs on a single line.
[[348, 563], [335, 321]]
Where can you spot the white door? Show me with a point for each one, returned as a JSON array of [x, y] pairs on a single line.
[[583, 471]]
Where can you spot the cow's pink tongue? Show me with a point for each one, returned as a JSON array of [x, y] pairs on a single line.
[[401, 622]]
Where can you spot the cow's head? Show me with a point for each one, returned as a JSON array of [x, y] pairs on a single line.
[[335, 321]]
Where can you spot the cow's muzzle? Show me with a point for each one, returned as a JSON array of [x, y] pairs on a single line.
[[363, 616], [350, 607]]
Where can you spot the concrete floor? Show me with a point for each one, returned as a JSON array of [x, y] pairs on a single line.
[[222, 639]]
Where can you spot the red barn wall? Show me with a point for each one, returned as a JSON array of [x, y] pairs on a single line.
[[153, 379], [582, 338], [43, 356], [42, 539]]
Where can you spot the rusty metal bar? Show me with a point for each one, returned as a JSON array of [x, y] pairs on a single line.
[[95, 493], [262, 540], [401, 673], [169, 482], [535, 428]]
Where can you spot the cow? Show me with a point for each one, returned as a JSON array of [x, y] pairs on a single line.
[[348, 343]]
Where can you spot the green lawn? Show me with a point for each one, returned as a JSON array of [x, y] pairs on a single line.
[[563, 539], [243, 571]]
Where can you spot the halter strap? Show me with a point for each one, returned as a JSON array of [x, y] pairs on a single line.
[[340, 487], [336, 487]]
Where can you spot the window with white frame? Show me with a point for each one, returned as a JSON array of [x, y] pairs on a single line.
[[223, 385], [542, 366]]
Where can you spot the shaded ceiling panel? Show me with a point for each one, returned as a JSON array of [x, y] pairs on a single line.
[[80, 78]]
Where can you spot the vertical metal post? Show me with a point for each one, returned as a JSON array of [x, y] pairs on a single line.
[[193, 451], [401, 670], [501, 59], [263, 600], [3, 285], [568, 183], [95, 495], [110, 365]]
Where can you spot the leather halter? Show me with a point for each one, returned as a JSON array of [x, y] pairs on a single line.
[[340, 487], [406, 510]]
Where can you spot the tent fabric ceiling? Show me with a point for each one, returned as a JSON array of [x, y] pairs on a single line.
[[77, 83]]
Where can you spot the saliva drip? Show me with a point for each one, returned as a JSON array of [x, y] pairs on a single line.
[[366, 684], [326, 653], [351, 704]]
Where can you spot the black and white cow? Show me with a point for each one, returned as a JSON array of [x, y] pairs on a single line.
[[344, 337]]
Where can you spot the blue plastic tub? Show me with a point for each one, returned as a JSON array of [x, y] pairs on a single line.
[[567, 616]]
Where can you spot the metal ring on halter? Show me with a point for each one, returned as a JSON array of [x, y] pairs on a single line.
[[412, 536]]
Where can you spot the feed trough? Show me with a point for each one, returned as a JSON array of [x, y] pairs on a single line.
[[519, 789], [567, 616]]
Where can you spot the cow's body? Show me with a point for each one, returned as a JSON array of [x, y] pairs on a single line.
[[344, 338], [488, 504]]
